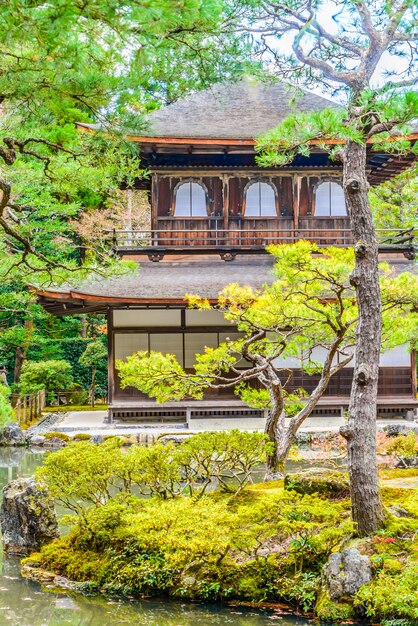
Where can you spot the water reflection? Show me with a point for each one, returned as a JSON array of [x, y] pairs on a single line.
[[23, 603]]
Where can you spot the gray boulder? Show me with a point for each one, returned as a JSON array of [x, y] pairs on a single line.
[[393, 430], [97, 439], [407, 461], [28, 519], [345, 572], [12, 435], [37, 440], [318, 480]]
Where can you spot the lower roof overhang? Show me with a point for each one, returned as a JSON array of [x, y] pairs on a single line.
[[76, 303]]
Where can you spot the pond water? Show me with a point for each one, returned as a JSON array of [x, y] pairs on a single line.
[[23, 603]]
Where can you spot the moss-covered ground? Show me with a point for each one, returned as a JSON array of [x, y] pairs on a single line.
[[263, 544]]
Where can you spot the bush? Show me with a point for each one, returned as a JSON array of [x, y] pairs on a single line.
[[6, 411], [391, 595], [48, 375], [210, 548], [71, 350], [404, 445], [162, 470]]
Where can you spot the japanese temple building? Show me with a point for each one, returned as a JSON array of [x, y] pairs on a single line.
[[213, 211]]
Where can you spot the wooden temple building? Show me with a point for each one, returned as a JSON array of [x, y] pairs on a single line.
[[213, 211]]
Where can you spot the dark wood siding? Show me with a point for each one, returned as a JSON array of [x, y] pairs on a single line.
[[295, 214]]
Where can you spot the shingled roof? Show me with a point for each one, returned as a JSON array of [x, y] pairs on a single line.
[[241, 110], [165, 282]]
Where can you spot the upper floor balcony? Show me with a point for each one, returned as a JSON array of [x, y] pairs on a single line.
[[177, 236]]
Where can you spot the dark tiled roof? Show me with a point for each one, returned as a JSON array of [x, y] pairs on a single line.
[[173, 279], [242, 110]]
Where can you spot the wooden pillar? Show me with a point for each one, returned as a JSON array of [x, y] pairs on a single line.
[[110, 364], [296, 194], [414, 372], [225, 201]]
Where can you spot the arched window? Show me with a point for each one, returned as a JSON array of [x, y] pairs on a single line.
[[260, 200], [190, 200], [329, 200]]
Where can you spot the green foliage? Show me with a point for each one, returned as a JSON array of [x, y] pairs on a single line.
[[48, 375], [391, 595], [94, 354], [71, 348], [404, 445], [329, 610], [211, 548], [394, 203], [6, 411], [105, 63], [84, 473], [263, 543]]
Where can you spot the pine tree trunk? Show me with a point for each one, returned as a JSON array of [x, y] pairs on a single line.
[[360, 432], [276, 431]]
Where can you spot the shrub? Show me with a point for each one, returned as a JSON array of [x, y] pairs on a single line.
[[48, 375], [82, 437], [404, 445], [162, 470], [6, 411], [391, 595]]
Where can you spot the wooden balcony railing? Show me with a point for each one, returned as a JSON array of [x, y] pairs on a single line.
[[228, 243]]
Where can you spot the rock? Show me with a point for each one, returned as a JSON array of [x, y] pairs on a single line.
[[12, 435], [97, 439], [345, 572], [48, 580], [398, 511], [407, 461], [304, 438], [28, 519], [393, 430], [37, 440], [54, 442], [318, 480]]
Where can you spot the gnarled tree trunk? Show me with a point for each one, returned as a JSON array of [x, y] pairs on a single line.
[[360, 432]]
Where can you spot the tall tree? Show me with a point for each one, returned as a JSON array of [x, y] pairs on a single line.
[[340, 46], [308, 315]]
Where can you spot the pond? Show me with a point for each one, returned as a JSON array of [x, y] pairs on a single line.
[[24, 603]]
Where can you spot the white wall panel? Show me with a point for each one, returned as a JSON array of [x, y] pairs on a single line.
[[128, 343], [140, 318], [205, 318]]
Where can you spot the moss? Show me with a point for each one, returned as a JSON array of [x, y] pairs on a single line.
[[264, 543], [81, 437], [321, 481], [57, 435], [328, 610], [393, 566], [408, 472], [65, 408]]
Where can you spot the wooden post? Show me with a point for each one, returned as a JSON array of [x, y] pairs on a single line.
[[110, 363], [25, 405]]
